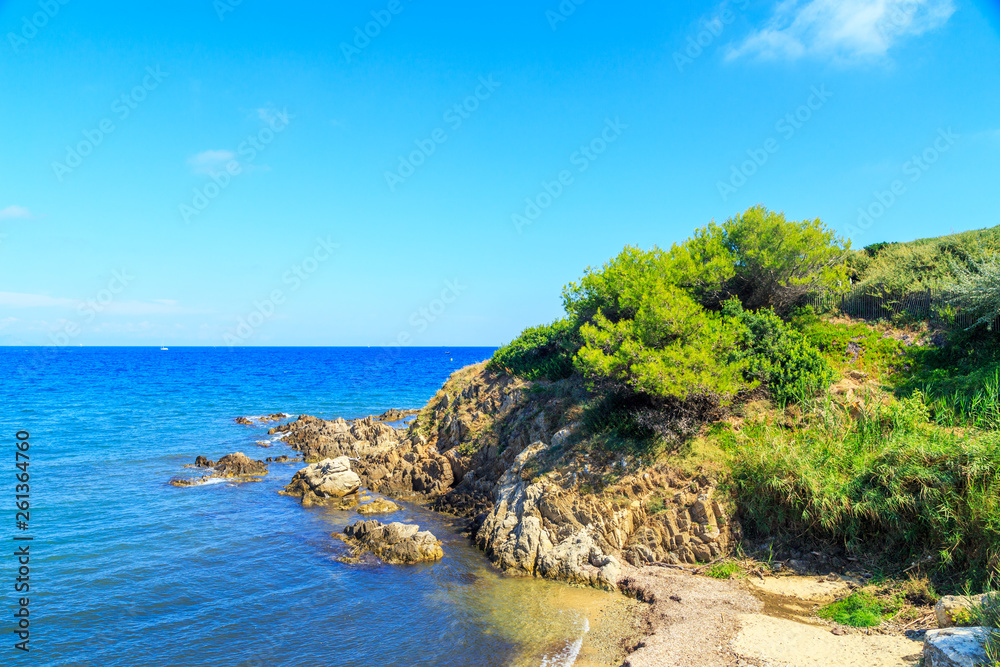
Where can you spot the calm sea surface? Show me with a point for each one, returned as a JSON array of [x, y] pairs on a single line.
[[127, 570]]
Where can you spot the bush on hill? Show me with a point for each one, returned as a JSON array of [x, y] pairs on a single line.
[[542, 352], [763, 259], [776, 355], [977, 289]]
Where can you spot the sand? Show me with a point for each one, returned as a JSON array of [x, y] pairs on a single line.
[[694, 620]]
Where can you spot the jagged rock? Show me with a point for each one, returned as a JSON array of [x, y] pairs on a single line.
[[955, 647], [394, 543], [330, 478], [244, 421], [378, 506], [320, 439], [563, 435], [238, 465], [514, 533], [394, 415], [478, 450]]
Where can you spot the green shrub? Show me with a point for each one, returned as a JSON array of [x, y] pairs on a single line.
[[763, 260], [542, 352], [858, 610], [977, 289], [655, 504], [618, 288], [777, 355], [724, 570], [672, 349]]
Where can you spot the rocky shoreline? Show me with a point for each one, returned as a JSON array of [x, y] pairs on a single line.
[[504, 456]]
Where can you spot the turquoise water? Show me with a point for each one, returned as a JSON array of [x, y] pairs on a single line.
[[127, 570]]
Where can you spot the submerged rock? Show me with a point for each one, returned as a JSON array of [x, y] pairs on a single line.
[[378, 506], [393, 543], [252, 421], [322, 481]]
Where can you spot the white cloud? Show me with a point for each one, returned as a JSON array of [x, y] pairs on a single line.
[[18, 300], [206, 162], [14, 212], [844, 30]]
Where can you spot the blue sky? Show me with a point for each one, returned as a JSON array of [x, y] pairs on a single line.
[[246, 173]]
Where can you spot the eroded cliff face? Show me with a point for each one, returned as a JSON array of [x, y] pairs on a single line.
[[543, 500]]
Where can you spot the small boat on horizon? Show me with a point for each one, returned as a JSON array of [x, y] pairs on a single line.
[[164, 348]]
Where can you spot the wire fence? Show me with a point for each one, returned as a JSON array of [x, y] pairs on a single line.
[[927, 305]]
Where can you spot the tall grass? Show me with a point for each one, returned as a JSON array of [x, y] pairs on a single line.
[[978, 406], [885, 481]]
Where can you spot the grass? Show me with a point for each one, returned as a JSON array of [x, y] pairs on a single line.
[[887, 478], [860, 609], [987, 615], [725, 570], [838, 340]]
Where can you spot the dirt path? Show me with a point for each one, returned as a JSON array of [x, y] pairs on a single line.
[[695, 620]]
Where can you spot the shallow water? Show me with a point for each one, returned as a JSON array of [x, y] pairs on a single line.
[[128, 570]]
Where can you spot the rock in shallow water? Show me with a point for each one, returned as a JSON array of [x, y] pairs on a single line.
[[237, 466], [378, 506], [393, 543], [328, 479]]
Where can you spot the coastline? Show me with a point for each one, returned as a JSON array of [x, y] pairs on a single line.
[[651, 614]]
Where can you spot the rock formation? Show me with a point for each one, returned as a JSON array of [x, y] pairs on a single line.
[[237, 467], [328, 479], [378, 506], [394, 415], [488, 449], [393, 543]]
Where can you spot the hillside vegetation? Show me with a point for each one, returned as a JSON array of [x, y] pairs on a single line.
[[880, 436]]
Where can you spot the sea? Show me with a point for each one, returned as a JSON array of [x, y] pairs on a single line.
[[125, 569]]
